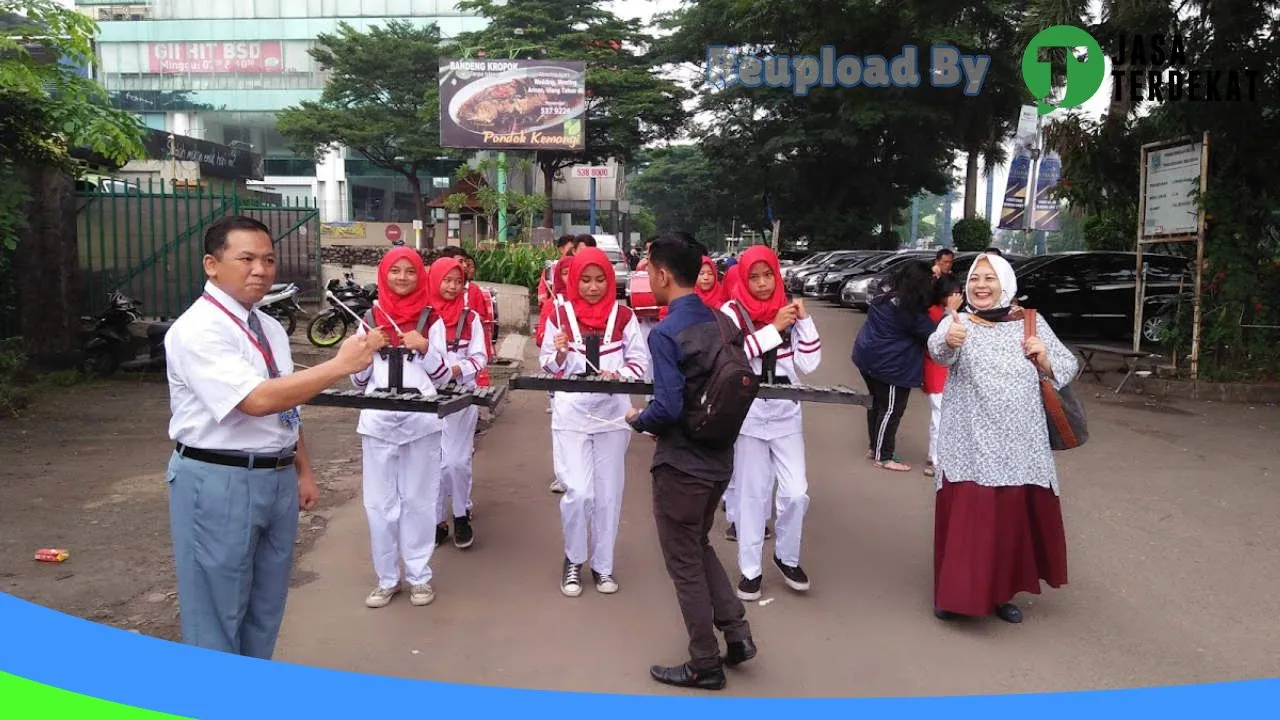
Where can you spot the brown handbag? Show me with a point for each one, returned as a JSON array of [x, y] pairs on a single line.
[[1064, 414]]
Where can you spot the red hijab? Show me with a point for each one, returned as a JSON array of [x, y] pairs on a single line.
[[592, 318], [402, 310], [450, 310], [557, 282], [717, 295], [760, 311]]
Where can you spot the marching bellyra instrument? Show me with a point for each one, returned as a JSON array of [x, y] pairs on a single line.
[[837, 394], [643, 302]]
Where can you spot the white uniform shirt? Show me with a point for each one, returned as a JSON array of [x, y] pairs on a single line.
[[629, 357], [472, 357], [212, 366], [424, 372], [771, 419]]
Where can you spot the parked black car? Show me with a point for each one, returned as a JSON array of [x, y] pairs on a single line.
[[1092, 294], [826, 285], [796, 275], [850, 289]]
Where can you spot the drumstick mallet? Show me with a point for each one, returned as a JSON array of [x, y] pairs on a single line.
[[352, 313], [615, 423]]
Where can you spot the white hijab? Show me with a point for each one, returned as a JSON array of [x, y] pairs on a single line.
[[1004, 272]]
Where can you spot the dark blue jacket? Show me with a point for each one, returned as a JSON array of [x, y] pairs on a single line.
[[891, 345], [682, 348]]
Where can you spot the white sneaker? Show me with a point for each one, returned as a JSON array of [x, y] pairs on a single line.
[[571, 580], [381, 597], [605, 583], [421, 594]]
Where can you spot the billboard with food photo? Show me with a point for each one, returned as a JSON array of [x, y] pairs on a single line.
[[513, 104]]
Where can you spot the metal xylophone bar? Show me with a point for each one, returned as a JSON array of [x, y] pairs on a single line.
[[837, 395], [442, 405]]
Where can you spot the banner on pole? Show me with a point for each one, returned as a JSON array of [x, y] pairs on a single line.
[[1013, 208], [1047, 215]]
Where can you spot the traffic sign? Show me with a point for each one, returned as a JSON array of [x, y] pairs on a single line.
[[583, 172], [393, 232]]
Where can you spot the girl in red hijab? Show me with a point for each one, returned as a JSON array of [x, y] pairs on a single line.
[[401, 450], [589, 435], [770, 448], [709, 288], [461, 336]]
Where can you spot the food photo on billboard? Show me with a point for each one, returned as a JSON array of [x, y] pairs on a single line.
[[513, 104]]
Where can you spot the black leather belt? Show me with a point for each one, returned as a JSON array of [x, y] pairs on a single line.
[[241, 460]]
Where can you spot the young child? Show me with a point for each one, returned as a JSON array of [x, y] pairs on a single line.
[[771, 444], [402, 449], [465, 355], [689, 477], [590, 438], [948, 295], [560, 275]]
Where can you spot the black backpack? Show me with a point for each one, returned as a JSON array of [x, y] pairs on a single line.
[[715, 415]]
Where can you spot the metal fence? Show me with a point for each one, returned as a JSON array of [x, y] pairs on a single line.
[[147, 241]]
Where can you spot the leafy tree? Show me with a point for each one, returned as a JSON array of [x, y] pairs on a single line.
[[50, 113], [628, 105], [971, 234], [1101, 165], [381, 101]]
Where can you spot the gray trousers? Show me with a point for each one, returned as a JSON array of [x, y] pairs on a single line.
[[233, 533]]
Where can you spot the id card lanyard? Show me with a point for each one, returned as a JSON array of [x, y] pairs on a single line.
[[290, 418]]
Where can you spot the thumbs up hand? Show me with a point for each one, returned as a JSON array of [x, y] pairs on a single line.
[[957, 333]]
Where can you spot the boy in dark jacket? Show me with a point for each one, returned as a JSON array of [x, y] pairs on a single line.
[[889, 352], [689, 478]]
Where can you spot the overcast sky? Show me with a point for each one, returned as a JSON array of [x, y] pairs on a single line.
[[646, 9]]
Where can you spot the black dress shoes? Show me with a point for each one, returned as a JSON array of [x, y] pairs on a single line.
[[1009, 613], [740, 652], [685, 676]]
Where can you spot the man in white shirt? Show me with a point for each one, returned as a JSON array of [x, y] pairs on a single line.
[[240, 470]]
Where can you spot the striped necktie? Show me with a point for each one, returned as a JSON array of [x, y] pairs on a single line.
[[256, 326]]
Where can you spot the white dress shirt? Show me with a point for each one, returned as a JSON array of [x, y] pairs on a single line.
[[213, 366]]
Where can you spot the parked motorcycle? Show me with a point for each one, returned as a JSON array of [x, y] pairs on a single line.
[[281, 303], [110, 344], [328, 327]]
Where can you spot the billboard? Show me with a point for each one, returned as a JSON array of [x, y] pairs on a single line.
[[513, 104], [215, 57]]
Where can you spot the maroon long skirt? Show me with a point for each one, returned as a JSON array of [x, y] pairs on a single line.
[[990, 543]]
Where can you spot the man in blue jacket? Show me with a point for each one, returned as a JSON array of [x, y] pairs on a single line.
[[689, 478]]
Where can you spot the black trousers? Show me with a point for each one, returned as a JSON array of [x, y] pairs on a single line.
[[685, 508], [888, 403]]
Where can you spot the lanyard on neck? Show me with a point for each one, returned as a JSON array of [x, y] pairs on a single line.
[[265, 351]]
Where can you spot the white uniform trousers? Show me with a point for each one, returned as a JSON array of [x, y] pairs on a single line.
[[731, 500], [593, 469], [756, 463], [401, 483], [457, 445], [935, 418]]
